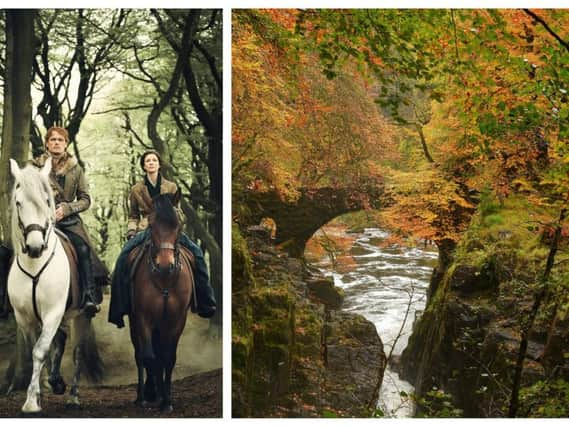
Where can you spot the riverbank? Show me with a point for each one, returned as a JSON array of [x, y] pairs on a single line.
[[294, 353], [387, 284], [464, 349]]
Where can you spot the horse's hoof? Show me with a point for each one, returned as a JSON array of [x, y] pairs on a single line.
[[58, 386], [31, 408]]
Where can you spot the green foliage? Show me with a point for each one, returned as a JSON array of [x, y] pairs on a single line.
[[488, 204], [326, 413], [489, 125], [437, 404], [545, 399], [378, 413], [128, 64], [492, 220]]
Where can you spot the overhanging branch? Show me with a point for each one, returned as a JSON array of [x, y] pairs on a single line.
[[547, 28]]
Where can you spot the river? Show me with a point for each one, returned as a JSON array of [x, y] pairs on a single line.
[[379, 287]]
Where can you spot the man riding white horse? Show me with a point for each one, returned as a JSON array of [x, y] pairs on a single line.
[[41, 288], [71, 194]]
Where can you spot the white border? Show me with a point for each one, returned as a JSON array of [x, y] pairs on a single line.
[[226, 214], [227, 5], [226, 286]]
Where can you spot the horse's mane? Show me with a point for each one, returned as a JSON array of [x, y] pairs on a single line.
[[164, 211], [35, 188]]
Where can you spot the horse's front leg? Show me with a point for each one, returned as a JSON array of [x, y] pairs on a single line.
[[39, 354], [139, 341], [169, 361], [140, 399]]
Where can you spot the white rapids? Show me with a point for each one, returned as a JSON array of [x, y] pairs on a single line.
[[379, 288]]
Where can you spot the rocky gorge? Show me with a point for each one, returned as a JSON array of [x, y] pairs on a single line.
[[294, 353], [463, 349]]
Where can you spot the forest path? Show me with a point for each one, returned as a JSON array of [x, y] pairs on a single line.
[[195, 396], [196, 380]]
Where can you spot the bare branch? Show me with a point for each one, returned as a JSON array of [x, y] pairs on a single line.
[[131, 108], [211, 62], [547, 28], [128, 127]]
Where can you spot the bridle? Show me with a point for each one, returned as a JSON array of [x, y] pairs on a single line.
[[175, 268], [45, 232], [172, 269]]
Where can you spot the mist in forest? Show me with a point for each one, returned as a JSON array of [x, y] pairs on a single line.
[[196, 351]]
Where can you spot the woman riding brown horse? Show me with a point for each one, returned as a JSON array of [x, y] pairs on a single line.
[[162, 288]]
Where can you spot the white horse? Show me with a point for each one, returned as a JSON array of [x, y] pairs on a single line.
[[39, 287]]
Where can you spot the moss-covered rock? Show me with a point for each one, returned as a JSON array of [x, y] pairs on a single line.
[[242, 275], [280, 347], [324, 290], [353, 352], [241, 321], [468, 279], [467, 340]]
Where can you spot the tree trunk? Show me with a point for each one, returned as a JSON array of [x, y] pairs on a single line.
[[15, 143], [17, 112], [424, 144], [212, 123], [526, 329]]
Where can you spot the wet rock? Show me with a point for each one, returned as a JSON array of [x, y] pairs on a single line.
[[355, 362], [325, 291], [506, 338], [293, 356], [262, 258], [468, 279], [259, 232], [295, 266]]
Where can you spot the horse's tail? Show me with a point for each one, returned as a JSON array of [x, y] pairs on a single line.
[[88, 353]]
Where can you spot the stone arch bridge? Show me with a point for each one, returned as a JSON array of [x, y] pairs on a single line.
[[297, 220]]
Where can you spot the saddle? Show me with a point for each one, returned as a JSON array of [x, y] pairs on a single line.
[[74, 296]]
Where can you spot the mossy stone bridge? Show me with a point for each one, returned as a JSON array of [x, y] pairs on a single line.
[[297, 220]]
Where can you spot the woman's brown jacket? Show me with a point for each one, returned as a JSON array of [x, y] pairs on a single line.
[[141, 203]]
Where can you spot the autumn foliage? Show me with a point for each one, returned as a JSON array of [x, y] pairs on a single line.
[[441, 104], [292, 127]]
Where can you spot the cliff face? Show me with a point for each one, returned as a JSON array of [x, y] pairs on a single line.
[[466, 341], [294, 354]]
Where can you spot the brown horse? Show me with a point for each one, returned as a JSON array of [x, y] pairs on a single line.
[[161, 292]]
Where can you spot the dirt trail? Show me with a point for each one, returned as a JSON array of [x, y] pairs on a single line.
[[196, 387], [195, 396]]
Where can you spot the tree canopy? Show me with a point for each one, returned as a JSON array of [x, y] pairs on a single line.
[[122, 81], [443, 104]]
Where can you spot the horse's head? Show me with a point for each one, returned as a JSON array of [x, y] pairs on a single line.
[[165, 228], [33, 210]]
